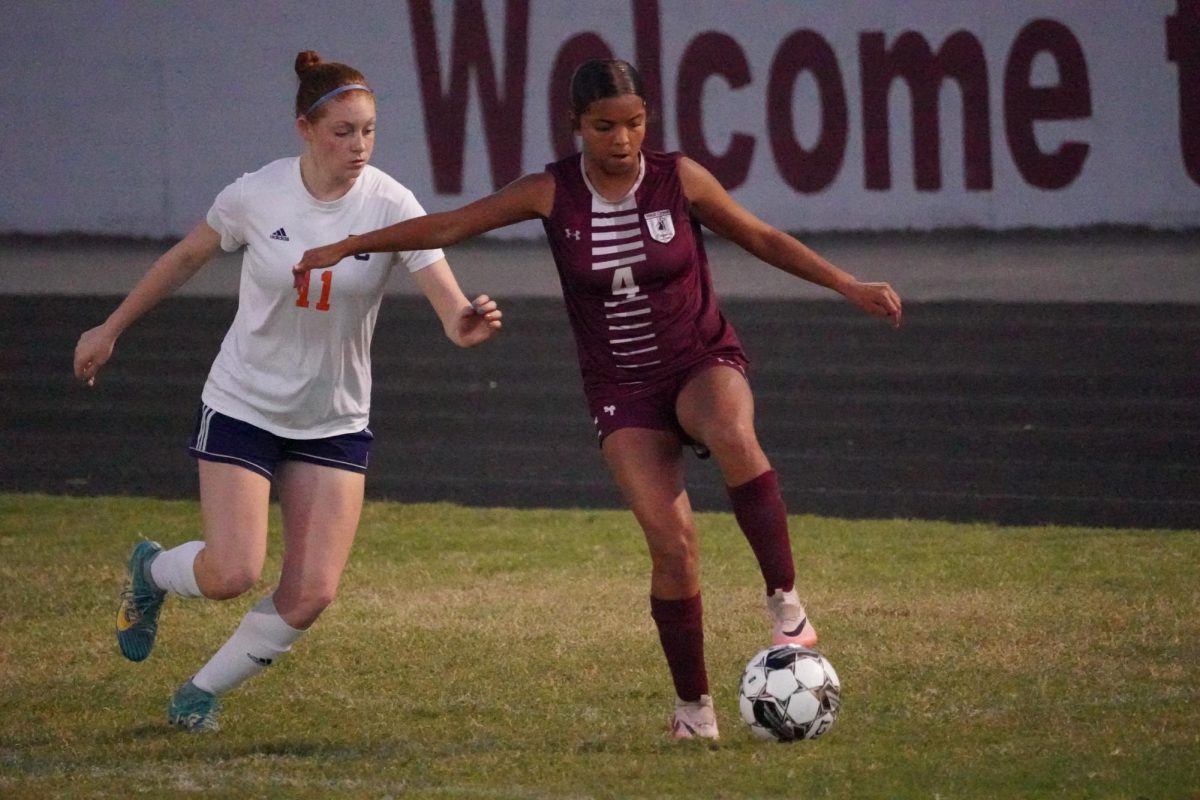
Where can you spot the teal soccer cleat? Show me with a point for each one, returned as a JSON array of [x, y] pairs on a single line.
[[194, 710], [137, 618]]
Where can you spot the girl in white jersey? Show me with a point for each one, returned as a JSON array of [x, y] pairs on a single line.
[[288, 397]]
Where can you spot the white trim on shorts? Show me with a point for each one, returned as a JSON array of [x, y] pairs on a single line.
[[360, 469], [222, 458]]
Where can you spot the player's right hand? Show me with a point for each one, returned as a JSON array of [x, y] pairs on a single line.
[[94, 349], [317, 258], [877, 299]]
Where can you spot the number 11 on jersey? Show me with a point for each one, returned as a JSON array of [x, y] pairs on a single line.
[[326, 284]]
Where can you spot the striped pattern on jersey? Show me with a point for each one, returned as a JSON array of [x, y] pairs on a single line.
[[617, 243], [634, 276]]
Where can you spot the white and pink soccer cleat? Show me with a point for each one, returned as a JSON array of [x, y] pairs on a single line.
[[695, 719], [789, 623]]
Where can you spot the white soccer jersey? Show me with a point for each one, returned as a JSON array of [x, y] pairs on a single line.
[[298, 364]]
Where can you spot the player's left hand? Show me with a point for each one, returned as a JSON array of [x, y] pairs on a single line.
[[477, 322], [92, 352], [877, 299]]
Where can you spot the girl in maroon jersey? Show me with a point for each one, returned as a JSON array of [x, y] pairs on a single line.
[[661, 366]]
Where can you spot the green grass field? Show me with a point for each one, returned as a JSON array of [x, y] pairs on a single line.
[[492, 653]]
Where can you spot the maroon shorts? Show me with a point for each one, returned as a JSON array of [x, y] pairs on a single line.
[[652, 405]]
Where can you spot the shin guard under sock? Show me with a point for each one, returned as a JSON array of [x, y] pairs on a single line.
[[681, 631], [762, 516]]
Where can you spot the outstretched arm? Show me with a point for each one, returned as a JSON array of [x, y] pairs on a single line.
[[170, 271], [465, 323], [713, 206], [525, 198]]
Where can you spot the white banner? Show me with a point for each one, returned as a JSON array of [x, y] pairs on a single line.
[[126, 118]]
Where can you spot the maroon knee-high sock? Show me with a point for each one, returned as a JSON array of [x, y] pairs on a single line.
[[758, 507], [681, 631]]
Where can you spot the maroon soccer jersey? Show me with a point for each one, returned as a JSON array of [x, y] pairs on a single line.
[[635, 277]]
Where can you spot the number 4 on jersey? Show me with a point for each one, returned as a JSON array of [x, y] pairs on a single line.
[[623, 282], [326, 284]]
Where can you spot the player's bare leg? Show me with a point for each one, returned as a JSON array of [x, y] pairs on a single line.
[[321, 508], [716, 407], [228, 561], [648, 468], [234, 502]]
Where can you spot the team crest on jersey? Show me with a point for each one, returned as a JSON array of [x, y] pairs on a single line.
[[661, 226]]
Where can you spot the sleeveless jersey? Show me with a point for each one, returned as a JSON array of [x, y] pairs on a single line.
[[634, 277]]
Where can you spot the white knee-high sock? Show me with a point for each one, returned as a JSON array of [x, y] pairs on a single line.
[[259, 641], [174, 569]]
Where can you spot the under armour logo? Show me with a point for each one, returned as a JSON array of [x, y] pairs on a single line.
[[573, 234], [610, 410]]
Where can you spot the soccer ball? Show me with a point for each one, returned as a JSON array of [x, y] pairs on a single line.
[[789, 692]]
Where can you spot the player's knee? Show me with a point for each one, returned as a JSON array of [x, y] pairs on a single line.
[[306, 612], [675, 556], [223, 575], [229, 581], [307, 604], [736, 440]]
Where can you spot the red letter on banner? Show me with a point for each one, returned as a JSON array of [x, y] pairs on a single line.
[[1183, 47], [961, 58], [807, 170], [647, 41], [1025, 104], [503, 113], [712, 53]]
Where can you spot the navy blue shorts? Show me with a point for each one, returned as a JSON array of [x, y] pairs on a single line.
[[218, 437]]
